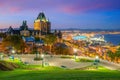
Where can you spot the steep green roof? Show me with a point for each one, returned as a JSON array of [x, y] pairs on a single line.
[[42, 17]]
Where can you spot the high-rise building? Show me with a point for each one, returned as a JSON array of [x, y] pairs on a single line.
[[42, 24]]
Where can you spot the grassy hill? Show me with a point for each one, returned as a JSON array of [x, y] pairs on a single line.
[[36, 72], [7, 66]]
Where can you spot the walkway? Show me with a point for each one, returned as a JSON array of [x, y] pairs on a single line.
[[68, 63], [107, 64]]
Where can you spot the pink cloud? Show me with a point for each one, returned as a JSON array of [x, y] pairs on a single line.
[[66, 6], [10, 10], [14, 9], [78, 8], [1, 4]]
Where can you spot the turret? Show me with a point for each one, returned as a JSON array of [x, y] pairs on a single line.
[[24, 26]]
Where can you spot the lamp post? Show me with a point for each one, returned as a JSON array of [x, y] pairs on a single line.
[[13, 52], [42, 56], [1, 56], [96, 61], [75, 53], [37, 54], [96, 57]]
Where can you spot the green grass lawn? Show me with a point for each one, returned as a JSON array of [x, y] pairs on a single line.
[[36, 72], [59, 75], [54, 73]]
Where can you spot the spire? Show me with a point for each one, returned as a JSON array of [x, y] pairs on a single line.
[[41, 16], [10, 29], [24, 25]]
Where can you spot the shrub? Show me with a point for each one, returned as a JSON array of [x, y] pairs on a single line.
[[38, 58], [83, 60], [67, 57]]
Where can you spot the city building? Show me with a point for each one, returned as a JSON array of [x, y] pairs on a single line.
[[24, 31], [42, 27], [42, 24]]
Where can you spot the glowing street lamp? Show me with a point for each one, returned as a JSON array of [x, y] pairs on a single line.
[[42, 56], [96, 61], [13, 51], [96, 57], [75, 52]]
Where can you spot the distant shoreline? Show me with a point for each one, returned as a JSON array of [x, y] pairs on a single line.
[[88, 29], [95, 31]]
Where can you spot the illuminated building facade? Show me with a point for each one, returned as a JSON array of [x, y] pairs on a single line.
[[42, 24]]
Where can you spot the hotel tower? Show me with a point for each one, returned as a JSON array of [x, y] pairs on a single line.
[[42, 24]]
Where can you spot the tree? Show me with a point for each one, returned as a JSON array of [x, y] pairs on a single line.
[[111, 55], [119, 44], [58, 49], [3, 35], [117, 54], [37, 38], [14, 41], [61, 48], [50, 40]]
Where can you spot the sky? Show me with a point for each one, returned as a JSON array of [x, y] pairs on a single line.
[[63, 14]]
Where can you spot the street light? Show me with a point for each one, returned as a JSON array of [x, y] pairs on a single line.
[[96, 61], [12, 57], [37, 54], [1, 56], [42, 56], [96, 57], [75, 53], [13, 51]]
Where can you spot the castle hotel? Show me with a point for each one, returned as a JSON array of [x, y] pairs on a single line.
[[42, 26]]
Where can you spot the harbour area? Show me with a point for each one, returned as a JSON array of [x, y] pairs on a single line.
[[92, 43]]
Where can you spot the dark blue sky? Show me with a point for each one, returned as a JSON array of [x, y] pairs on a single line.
[[82, 14]]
